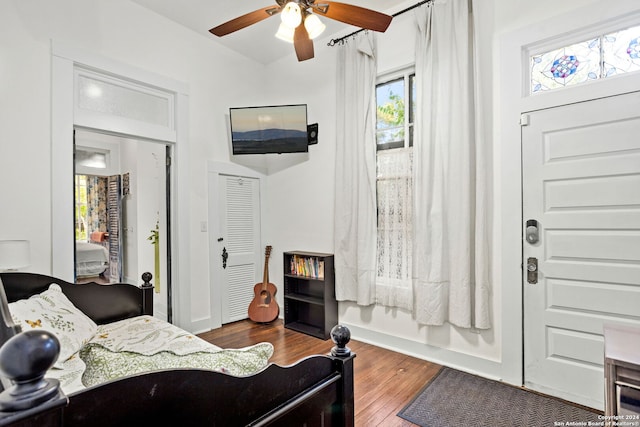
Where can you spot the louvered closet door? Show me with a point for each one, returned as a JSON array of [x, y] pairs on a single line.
[[114, 227], [240, 217]]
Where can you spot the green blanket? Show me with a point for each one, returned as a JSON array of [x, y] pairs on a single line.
[[104, 365], [143, 344]]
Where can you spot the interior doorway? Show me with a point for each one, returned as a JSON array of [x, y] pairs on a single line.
[[121, 202]]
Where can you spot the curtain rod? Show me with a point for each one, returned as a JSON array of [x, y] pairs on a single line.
[[334, 42]]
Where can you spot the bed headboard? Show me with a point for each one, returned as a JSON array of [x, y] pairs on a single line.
[[102, 303]]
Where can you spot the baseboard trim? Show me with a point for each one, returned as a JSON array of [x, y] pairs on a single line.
[[464, 362]]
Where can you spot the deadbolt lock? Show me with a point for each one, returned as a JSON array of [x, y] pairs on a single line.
[[532, 231]]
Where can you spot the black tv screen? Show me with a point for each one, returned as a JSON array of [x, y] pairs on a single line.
[[270, 129]]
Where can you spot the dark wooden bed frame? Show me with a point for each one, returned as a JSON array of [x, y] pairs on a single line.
[[315, 391]]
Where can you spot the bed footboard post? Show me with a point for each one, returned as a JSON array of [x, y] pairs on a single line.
[[343, 357], [32, 400], [147, 294]]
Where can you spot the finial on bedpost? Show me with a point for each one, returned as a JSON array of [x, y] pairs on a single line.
[[146, 278], [147, 294], [25, 359], [340, 335]]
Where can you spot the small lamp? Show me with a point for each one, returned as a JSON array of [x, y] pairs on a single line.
[[14, 254]]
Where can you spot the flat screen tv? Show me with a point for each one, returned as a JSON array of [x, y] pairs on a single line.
[[270, 129]]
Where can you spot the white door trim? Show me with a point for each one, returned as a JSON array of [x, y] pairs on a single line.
[[64, 57], [513, 102], [214, 170]]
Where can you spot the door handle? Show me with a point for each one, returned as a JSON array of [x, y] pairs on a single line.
[[225, 255], [532, 270]]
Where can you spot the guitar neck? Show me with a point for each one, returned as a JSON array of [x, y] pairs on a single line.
[[265, 276]]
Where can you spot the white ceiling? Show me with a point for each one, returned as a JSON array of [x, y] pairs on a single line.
[[256, 41]]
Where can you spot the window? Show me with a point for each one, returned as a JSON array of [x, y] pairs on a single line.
[[81, 207], [392, 123], [395, 104], [599, 57], [90, 159]]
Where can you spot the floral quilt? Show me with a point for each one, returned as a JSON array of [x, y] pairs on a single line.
[[142, 344]]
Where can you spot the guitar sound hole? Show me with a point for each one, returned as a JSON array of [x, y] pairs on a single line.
[[266, 297]]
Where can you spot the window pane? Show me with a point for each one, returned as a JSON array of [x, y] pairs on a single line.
[[413, 95], [110, 98], [390, 112], [91, 159], [81, 207], [412, 98], [621, 51], [390, 138], [569, 65]]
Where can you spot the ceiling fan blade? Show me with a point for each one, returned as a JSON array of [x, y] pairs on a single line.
[[244, 21], [353, 15], [302, 43]]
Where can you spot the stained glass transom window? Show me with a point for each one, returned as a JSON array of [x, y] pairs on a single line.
[[596, 58]]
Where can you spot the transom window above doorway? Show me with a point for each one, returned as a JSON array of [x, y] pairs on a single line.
[[598, 57]]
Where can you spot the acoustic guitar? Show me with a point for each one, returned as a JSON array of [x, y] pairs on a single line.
[[264, 307]]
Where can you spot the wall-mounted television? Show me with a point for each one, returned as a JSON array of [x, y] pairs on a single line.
[[269, 129]]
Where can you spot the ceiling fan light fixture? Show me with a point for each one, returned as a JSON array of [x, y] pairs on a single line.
[[314, 26], [291, 14], [285, 33]]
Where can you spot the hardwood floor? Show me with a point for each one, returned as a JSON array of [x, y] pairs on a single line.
[[385, 381]]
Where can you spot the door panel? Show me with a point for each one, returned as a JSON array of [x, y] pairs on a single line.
[[240, 224], [581, 182]]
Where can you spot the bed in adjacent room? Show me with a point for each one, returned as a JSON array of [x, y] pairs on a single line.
[[92, 259]]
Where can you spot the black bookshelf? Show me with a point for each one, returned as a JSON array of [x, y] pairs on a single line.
[[310, 304]]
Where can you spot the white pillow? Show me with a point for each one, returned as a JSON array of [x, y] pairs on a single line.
[[52, 311]]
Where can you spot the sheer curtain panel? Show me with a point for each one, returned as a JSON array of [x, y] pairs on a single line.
[[355, 202], [450, 264], [395, 233]]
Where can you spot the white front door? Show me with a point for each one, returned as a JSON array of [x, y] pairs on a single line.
[[239, 261], [581, 183]]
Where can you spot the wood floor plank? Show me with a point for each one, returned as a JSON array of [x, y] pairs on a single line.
[[385, 381]]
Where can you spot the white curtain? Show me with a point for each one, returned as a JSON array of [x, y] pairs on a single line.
[[450, 259], [355, 203]]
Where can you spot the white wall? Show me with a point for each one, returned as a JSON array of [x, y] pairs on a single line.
[[125, 32], [300, 198]]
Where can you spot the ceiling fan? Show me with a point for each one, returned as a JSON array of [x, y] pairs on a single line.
[[300, 22]]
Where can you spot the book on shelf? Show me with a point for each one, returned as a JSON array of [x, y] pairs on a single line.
[[306, 266]]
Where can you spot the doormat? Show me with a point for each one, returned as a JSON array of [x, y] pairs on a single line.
[[455, 398]]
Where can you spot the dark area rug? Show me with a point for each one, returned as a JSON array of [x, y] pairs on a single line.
[[455, 398]]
